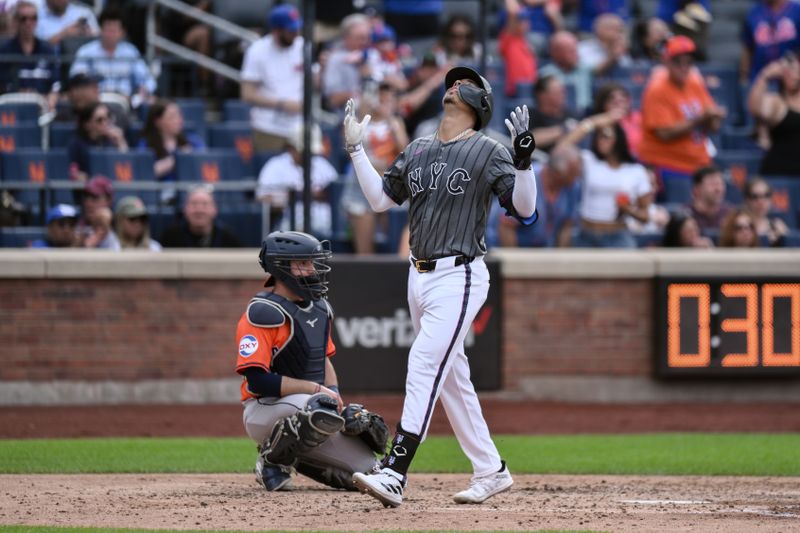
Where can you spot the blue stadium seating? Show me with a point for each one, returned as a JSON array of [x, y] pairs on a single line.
[[212, 166], [18, 114], [126, 167], [235, 111], [237, 136], [37, 166], [61, 133], [245, 221], [20, 136], [785, 198], [20, 236], [677, 190], [741, 164]]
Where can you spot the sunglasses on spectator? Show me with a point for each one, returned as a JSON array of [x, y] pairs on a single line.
[[27, 18], [759, 195], [140, 218], [683, 60]]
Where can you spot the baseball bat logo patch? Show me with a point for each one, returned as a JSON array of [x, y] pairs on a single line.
[[248, 345]]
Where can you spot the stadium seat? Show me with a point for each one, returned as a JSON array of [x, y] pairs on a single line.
[[20, 136], [13, 114], [61, 133], [238, 136], [648, 240], [785, 198], [793, 239], [245, 221], [738, 139], [20, 236], [213, 166], [37, 166], [235, 111], [677, 190], [126, 167], [741, 164]]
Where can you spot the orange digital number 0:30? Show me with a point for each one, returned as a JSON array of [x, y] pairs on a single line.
[[747, 325]]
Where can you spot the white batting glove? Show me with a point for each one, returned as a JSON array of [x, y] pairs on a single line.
[[353, 129], [522, 139]]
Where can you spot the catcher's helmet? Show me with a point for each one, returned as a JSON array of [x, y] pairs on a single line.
[[478, 98], [278, 251]]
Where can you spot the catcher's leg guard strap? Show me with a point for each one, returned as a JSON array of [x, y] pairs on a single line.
[[404, 446]]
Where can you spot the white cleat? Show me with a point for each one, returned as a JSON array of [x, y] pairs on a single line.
[[484, 487], [383, 484]]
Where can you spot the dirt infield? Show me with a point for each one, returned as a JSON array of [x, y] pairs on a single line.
[[503, 416], [598, 503]]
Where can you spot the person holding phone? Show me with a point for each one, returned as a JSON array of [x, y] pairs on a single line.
[[62, 19]]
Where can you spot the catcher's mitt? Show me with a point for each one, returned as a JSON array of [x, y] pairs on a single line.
[[369, 426]]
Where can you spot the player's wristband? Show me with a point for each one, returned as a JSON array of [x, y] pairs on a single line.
[[354, 148]]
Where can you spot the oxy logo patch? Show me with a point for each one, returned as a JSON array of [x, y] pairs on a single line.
[[248, 346]]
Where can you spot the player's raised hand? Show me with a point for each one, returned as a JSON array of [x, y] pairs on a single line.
[[521, 137], [353, 129]]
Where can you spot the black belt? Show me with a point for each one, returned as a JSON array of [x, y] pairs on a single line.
[[429, 265]]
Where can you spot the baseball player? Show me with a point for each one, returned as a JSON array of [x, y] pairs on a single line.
[[448, 179], [292, 406]]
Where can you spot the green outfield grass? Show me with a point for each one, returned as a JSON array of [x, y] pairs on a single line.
[[656, 454]]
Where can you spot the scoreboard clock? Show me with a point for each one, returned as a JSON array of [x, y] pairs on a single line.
[[716, 326]]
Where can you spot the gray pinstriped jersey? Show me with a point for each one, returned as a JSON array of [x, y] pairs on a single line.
[[449, 187]]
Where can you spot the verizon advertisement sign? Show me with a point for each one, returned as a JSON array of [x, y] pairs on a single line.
[[373, 330]]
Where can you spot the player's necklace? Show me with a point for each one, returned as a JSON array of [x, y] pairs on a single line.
[[457, 137]]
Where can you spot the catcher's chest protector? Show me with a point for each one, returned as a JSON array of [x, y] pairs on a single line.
[[303, 355]]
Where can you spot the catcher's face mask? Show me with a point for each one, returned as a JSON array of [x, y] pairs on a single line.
[[299, 260]]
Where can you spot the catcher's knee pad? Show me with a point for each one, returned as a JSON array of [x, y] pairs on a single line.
[[304, 430], [319, 420], [327, 475], [369, 426]]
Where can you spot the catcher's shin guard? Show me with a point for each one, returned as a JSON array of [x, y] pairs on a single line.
[[327, 475], [294, 435]]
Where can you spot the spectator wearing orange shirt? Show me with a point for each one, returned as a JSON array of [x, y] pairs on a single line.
[[519, 58], [678, 112]]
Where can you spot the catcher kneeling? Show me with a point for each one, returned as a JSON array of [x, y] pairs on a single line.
[[292, 407]]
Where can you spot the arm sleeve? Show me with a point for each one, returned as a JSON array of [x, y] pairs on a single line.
[[263, 383], [503, 177], [524, 195], [371, 182]]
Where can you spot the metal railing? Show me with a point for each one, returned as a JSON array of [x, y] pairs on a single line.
[[155, 41]]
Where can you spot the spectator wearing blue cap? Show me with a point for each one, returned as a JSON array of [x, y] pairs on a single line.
[[61, 221], [272, 80], [384, 59]]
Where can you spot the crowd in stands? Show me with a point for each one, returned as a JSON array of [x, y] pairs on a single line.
[[644, 138]]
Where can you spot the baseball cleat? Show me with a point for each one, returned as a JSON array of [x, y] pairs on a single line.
[[383, 484], [484, 487], [272, 477]]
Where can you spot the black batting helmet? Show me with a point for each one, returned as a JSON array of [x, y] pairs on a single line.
[[278, 251], [478, 98]]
